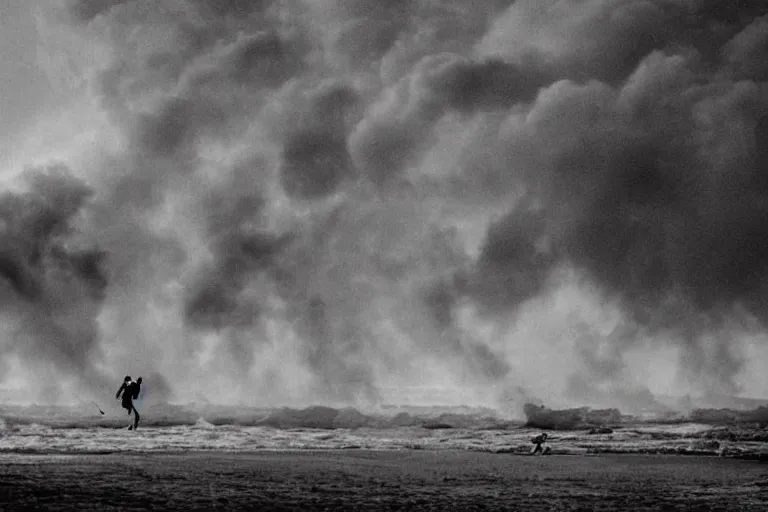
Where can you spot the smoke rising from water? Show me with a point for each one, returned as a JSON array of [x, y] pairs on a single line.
[[320, 201]]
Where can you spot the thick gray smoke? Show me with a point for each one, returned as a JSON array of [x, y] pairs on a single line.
[[318, 200], [52, 282]]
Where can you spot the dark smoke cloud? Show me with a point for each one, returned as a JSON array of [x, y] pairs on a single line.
[[367, 29], [401, 127], [260, 60], [515, 261], [315, 164], [603, 40], [388, 38], [239, 255], [230, 290], [746, 54], [315, 158], [177, 125], [493, 84], [357, 191], [52, 283], [648, 188]]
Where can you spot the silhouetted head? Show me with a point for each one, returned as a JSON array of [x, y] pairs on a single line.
[[127, 378], [138, 380]]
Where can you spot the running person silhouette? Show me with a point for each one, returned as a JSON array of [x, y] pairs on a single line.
[[130, 391]]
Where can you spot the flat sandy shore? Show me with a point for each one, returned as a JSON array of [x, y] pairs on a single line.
[[364, 480]]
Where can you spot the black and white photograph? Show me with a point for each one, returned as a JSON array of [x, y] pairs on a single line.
[[379, 255]]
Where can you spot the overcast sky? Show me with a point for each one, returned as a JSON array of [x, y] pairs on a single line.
[[325, 201]]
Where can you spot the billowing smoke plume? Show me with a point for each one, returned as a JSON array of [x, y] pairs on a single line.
[[319, 201], [53, 283]]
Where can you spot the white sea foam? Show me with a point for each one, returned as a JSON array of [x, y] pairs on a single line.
[[174, 428], [203, 436]]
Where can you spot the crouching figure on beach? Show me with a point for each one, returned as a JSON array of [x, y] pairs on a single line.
[[538, 442]]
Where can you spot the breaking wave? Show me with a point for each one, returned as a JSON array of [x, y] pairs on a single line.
[[316, 417], [168, 427], [387, 417]]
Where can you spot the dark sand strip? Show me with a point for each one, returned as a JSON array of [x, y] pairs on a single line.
[[364, 480]]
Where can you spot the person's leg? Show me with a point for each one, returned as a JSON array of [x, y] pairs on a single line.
[[135, 419]]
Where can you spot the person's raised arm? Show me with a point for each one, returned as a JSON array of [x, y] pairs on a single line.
[[122, 388]]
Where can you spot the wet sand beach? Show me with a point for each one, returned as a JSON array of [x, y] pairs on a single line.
[[372, 480]]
